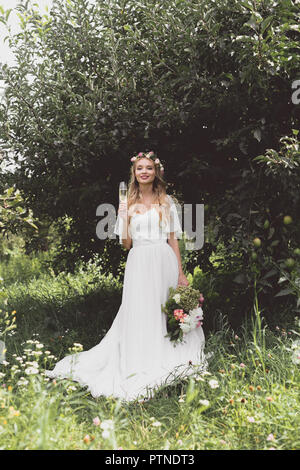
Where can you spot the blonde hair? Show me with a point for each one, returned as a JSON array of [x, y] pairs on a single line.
[[158, 188]]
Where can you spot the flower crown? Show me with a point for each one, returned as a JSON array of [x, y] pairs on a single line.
[[151, 155]]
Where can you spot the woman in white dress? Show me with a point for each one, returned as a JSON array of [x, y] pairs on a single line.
[[135, 356]]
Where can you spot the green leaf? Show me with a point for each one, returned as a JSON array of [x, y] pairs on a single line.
[[266, 23], [284, 292]]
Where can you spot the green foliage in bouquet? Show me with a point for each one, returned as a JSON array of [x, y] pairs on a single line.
[[185, 298]]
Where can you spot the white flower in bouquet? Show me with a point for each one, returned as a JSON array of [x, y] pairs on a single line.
[[177, 298], [196, 313], [186, 327], [192, 321]]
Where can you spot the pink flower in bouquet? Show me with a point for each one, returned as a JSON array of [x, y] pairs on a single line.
[[201, 300], [178, 313], [140, 154], [183, 317]]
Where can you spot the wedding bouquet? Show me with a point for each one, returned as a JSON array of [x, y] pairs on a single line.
[[184, 311]]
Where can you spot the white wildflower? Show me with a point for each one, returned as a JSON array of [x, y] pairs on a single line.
[[156, 424], [213, 383], [108, 427], [31, 371], [204, 402], [22, 381]]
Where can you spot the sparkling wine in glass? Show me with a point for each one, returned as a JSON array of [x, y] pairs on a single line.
[[123, 191]]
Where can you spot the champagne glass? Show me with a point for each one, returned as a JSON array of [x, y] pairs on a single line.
[[123, 191]]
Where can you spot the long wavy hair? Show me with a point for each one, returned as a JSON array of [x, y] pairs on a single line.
[[158, 187]]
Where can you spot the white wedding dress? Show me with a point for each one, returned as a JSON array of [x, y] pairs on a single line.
[[135, 356]]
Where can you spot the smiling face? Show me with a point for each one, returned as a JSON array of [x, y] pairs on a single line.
[[145, 171]]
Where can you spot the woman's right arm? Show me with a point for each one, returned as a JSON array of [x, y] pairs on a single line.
[[123, 212]]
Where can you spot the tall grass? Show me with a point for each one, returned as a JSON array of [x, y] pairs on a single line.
[[248, 398]]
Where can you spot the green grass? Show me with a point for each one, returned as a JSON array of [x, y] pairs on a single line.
[[248, 399]]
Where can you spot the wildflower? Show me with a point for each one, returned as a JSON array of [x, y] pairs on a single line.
[[258, 387], [204, 402], [9, 388], [96, 421], [243, 400], [251, 388], [242, 364], [86, 439], [22, 381], [156, 424], [270, 437], [107, 427], [223, 442], [250, 419], [269, 398], [213, 383], [31, 371], [231, 401]]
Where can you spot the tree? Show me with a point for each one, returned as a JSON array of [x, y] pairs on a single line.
[[206, 84]]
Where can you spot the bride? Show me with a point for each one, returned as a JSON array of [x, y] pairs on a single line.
[[135, 356]]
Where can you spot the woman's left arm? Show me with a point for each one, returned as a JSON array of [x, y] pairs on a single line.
[[173, 242]]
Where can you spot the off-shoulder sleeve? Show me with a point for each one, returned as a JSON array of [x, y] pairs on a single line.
[[175, 225], [118, 230]]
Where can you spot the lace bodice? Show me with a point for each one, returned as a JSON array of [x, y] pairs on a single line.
[[147, 226]]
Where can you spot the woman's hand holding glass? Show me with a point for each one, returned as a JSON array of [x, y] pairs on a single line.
[[123, 211]]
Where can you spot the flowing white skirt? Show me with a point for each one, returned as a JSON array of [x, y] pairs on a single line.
[[135, 357]]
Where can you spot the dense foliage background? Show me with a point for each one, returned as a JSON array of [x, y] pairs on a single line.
[[207, 85]]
